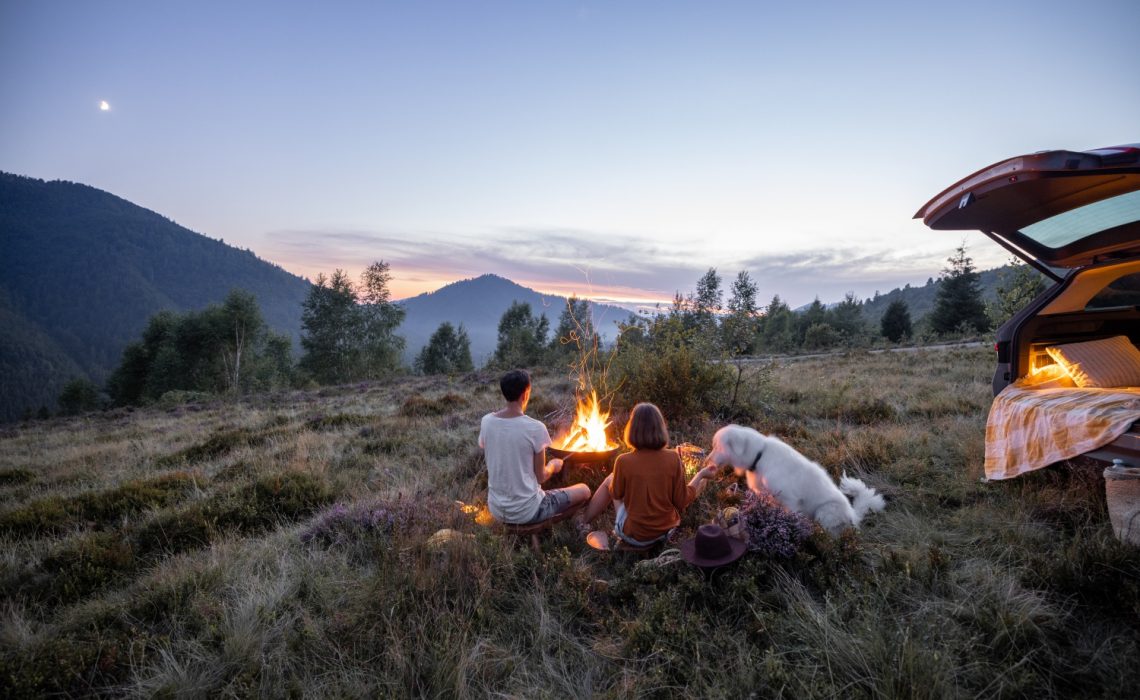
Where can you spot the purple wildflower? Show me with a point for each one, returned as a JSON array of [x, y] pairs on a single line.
[[347, 522], [773, 530]]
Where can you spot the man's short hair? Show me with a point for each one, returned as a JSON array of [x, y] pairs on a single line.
[[514, 383], [646, 428]]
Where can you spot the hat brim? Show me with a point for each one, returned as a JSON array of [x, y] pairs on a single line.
[[688, 549]]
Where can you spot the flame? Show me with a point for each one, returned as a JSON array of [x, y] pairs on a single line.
[[588, 433]]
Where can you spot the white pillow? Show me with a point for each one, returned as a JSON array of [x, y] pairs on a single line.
[[1100, 364]]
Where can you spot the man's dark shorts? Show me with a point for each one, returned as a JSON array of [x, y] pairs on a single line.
[[553, 503]]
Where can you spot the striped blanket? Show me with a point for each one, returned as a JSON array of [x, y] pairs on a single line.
[[1031, 428]]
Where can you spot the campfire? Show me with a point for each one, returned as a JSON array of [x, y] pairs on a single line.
[[587, 439]]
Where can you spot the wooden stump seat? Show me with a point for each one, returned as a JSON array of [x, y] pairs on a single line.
[[535, 529]]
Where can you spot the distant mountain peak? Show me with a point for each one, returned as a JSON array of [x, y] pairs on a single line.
[[478, 303]]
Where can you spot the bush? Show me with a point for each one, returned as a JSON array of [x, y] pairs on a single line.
[[12, 477], [80, 395], [101, 508], [418, 406], [181, 397], [85, 566], [666, 366], [337, 421], [246, 510], [215, 446]]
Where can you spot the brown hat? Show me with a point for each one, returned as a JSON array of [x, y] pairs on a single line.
[[712, 547]]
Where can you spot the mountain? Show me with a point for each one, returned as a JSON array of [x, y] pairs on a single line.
[[81, 272], [479, 304]]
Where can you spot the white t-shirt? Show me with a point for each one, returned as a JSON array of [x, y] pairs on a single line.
[[509, 445]]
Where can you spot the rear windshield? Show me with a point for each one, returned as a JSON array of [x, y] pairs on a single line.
[[1125, 291], [1073, 225]]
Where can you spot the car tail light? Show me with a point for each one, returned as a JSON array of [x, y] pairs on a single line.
[[1002, 349]]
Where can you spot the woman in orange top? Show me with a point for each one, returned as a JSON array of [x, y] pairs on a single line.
[[648, 484]]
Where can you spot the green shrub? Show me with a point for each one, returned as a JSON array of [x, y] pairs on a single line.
[[337, 421], [215, 446], [89, 564], [384, 445], [133, 497], [14, 477], [181, 397], [245, 510], [57, 666], [671, 369], [418, 406], [40, 517], [101, 508], [80, 395]]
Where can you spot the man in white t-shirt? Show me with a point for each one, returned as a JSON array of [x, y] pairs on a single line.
[[514, 445]]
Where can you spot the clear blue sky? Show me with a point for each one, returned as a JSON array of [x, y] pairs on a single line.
[[613, 148]]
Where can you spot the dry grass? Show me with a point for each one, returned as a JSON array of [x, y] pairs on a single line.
[[164, 552]]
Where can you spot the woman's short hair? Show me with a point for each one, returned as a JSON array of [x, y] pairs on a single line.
[[514, 383], [646, 429]]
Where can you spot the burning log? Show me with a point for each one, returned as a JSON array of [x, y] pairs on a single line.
[[587, 441]]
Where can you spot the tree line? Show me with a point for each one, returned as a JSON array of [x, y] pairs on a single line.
[[349, 334]]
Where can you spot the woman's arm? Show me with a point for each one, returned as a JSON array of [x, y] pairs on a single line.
[[700, 478]]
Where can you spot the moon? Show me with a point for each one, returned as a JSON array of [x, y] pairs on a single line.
[[104, 106]]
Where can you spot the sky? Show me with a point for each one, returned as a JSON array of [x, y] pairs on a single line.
[[615, 150]]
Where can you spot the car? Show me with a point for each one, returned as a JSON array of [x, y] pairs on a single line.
[[1075, 217]]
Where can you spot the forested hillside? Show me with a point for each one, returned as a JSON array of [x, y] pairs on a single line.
[[81, 272], [920, 300]]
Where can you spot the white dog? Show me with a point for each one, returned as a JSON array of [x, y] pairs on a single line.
[[796, 482]]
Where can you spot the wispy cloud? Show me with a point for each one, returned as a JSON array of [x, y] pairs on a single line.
[[596, 264]]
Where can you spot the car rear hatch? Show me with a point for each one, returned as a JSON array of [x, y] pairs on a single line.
[[1056, 210]]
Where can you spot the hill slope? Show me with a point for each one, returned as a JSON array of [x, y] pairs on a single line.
[[479, 304], [920, 300], [82, 270]]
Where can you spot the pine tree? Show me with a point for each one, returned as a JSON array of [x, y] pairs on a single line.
[[738, 329], [78, 396], [778, 331], [330, 329], [847, 319], [895, 324], [522, 337], [814, 315], [574, 333], [447, 352], [958, 307], [1016, 288]]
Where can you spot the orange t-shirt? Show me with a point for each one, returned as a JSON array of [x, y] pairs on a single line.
[[651, 484]]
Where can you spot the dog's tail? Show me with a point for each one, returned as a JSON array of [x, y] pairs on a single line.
[[864, 499]]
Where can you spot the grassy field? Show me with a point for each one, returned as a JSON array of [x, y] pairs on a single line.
[[283, 547]]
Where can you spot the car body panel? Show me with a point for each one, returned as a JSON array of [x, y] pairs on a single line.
[[1016, 194]]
